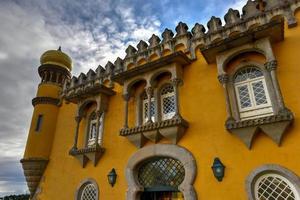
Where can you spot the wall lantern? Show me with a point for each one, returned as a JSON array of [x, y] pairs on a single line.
[[218, 169], [112, 177]]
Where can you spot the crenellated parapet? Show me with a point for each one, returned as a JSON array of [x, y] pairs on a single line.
[[90, 84], [255, 14], [256, 21]]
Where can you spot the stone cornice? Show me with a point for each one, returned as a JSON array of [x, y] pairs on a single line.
[[231, 124], [45, 100], [177, 57], [153, 126], [89, 153]]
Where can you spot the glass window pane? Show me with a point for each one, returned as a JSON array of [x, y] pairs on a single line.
[[259, 93], [244, 96]]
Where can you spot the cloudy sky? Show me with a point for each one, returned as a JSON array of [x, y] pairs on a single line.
[[91, 32]]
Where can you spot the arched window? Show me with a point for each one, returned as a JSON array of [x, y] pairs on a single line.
[[146, 107], [88, 191], [93, 128], [252, 93], [168, 106], [161, 173], [274, 186]]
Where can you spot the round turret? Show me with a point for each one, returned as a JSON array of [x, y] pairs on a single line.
[[56, 57]]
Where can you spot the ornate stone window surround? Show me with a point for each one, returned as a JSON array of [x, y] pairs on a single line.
[[270, 169], [161, 150], [94, 152], [150, 129], [81, 186], [281, 112]]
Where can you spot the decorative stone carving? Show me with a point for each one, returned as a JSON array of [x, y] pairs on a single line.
[[198, 31], [91, 153], [167, 35], [214, 24], [154, 41], [162, 150], [45, 100], [109, 68], [273, 126], [232, 17], [90, 75], [119, 65], [172, 129], [251, 9], [181, 29], [269, 5], [130, 51], [142, 46], [33, 170]]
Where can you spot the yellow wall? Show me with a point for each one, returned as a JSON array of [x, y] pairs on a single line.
[[202, 104], [39, 143]]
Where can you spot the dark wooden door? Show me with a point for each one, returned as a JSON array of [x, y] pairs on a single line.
[[161, 196]]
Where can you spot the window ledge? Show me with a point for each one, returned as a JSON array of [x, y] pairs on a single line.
[[85, 154], [171, 129], [273, 126]]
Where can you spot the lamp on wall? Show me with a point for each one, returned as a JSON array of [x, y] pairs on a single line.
[[112, 177], [218, 169]]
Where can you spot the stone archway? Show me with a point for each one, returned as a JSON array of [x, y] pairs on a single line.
[[162, 150]]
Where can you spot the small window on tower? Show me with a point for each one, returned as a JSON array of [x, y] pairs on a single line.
[[39, 123]]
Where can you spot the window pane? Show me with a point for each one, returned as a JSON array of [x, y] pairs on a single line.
[[39, 123], [259, 93], [89, 192], [168, 105], [274, 186], [168, 102], [244, 96], [247, 74]]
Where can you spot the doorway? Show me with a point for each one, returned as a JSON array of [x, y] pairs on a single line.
[[165, 195]]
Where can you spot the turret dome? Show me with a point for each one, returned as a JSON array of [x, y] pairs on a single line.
[[56, 57]]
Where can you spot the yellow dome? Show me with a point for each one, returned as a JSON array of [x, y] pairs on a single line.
[[56, 57]]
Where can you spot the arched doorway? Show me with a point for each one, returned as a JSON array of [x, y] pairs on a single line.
[[160, 177], [161, 172]]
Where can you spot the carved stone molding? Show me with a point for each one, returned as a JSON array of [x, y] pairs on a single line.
[[273, 126], [162, 150], [172, 129], [90, 153], [45, 100], [33, 170]]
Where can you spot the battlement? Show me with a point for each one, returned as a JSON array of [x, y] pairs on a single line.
[[257, 15]]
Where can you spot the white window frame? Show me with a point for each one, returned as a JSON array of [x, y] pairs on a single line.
[[91, 135], [255, 110], [287, 181], [162, 97], [145, 113]]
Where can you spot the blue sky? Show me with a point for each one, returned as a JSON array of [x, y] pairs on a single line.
[[92, 32]]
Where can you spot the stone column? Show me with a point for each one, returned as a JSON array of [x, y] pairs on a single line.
[[223, 79], [78, 120], [271, 67], [176, 82], [149, 92], [98, 116], [126, 98], [51, 76]]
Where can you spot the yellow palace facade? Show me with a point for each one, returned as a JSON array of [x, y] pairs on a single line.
[[200, 114]]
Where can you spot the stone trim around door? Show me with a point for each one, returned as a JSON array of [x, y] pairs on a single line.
[[159, 150], [270, 168]]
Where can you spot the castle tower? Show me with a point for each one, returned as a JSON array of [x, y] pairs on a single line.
[[54, 70]]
